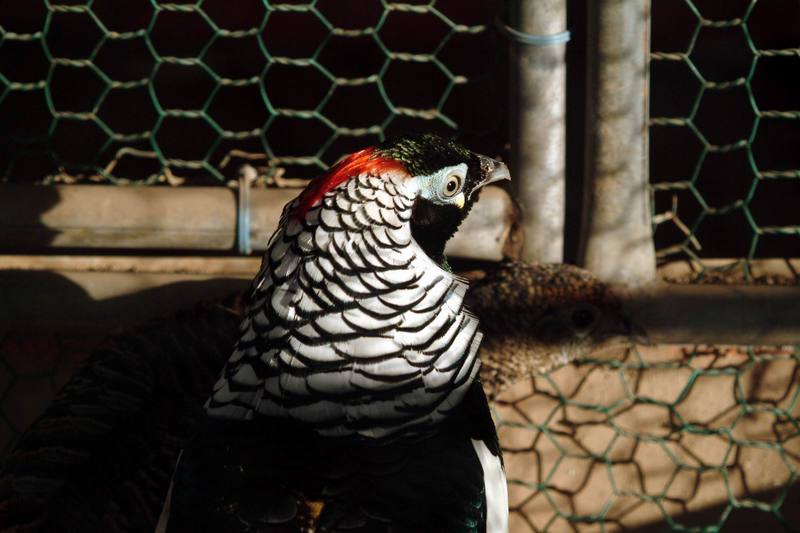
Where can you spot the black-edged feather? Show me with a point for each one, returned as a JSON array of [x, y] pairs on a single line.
[[101, 456]]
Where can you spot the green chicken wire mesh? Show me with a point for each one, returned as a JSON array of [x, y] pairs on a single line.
[[690, 440], [149, 91], [723, 129], [695, 440]]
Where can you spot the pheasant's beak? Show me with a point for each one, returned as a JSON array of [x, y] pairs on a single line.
[[493, 170], [638, 335], [616, 340], [628, 332]]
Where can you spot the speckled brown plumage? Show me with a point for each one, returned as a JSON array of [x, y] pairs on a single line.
[[537, 316]]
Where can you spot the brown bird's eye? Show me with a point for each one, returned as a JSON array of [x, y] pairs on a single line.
[[451, 186], [582, 318]]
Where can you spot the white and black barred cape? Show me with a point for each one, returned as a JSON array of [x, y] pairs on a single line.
[[352, 328]]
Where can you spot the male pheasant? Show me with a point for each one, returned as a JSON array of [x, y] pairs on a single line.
[[352, 389]]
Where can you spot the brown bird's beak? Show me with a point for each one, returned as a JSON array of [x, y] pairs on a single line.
[[493, 170], [623, 334], [636, 334], [628, 332]]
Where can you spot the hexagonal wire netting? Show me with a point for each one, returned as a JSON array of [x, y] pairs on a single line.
[[146, 92], [701, 440], [723, 129], [687, 439], [149, 91]]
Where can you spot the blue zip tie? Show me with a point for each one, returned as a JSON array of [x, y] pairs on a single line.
[[243, 214], [532, 40]]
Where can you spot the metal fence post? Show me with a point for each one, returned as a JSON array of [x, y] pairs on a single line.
[[617, 242], [538, 33]]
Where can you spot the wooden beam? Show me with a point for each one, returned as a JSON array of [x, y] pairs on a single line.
[[715, 314], [101, 293], [192, 218]]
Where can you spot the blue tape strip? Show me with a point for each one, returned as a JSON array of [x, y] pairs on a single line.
[[533, 40], [243, 217]]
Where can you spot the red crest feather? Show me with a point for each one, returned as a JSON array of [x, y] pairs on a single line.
[[365, 161]]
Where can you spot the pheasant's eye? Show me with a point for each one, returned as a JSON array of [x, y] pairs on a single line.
[[582, 318], [452, 186]]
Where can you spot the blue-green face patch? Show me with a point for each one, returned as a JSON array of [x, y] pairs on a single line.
[[445, 186]]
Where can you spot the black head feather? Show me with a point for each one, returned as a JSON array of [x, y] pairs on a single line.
[[432, 225]]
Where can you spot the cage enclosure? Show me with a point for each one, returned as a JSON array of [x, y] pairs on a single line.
[[147, 148]]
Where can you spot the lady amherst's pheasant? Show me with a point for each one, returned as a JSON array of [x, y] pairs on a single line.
[[351, 401], [357, 361]]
